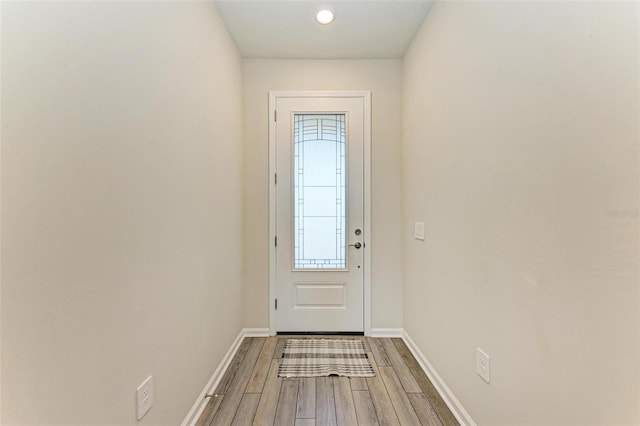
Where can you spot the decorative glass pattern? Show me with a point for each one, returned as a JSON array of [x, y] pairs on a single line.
[[319, 198]]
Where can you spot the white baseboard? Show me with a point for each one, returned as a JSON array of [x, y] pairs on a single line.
[[201, 402], [447, 395], [256, 332], [386, 332]]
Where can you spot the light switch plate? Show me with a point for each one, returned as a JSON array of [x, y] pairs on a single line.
[[418, 231]]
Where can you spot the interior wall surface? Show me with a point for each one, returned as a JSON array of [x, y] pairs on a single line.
[[121, 208], [520, 148]]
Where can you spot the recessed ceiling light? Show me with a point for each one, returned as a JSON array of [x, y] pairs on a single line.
[[324, 15]]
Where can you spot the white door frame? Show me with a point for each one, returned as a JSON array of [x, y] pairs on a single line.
[[366, 97]]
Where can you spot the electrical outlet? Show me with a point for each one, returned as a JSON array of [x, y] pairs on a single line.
[[418, 231], [144, 396], [483, 365]]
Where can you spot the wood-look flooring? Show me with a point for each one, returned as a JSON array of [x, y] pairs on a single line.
[[251, 393]]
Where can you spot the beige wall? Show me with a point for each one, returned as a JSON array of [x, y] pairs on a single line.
[[121, 183], [383, 78], [520, 154]]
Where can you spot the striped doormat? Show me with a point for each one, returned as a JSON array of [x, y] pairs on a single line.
[[324, 357]]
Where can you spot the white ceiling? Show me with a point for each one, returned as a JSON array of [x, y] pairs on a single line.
[[286, 29]]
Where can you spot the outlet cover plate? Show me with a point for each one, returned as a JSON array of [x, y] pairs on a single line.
[[418, 231], [483, 365], [144, 395]]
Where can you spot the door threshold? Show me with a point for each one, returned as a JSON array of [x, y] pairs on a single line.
[[321, 333]]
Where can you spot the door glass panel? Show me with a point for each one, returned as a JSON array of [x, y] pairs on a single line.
[[319, 182]]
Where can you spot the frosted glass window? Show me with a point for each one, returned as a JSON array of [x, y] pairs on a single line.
[[319, 191]]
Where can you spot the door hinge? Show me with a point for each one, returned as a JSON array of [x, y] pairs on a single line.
[[276, 304], [276, 241], [275, 179], [275, 115]]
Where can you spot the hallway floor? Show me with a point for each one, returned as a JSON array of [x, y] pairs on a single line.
[[252, 393]]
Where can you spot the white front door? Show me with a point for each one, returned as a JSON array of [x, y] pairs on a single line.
[[320, 226]]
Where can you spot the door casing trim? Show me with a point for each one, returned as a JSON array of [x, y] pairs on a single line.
[[365, 95]]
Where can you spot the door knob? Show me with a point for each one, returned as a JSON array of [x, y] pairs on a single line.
[[356, 245]]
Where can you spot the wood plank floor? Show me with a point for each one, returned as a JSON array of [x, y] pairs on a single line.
[[251, 393]]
